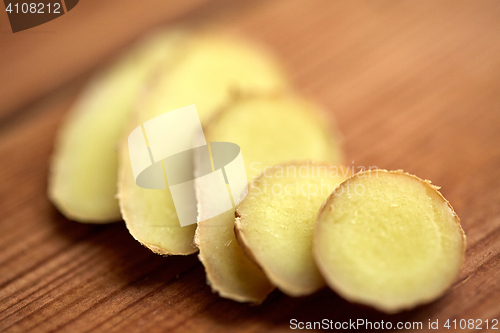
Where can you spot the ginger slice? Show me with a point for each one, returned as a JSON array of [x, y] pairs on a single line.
[[213, 68], [269, 130], [389, 240], [84, 169], [275, 222]]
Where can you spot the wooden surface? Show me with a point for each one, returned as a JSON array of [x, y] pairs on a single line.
[[413, 86]]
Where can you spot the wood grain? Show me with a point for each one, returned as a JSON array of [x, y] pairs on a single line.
[[413, 86]]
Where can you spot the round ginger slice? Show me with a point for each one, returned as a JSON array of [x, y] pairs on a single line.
[[275, 222], [389, 240], [84, 168], [273, 129]]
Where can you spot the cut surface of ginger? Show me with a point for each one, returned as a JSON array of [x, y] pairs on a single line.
[[84, 169], [269, 130], [150, 215], [229, 271], [213, 67], [275, 222], [275, 129], [388, 240]]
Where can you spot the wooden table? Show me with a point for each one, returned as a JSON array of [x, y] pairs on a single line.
[[413, 86]]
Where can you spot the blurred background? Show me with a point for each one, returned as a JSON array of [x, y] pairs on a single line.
[[412, 85]]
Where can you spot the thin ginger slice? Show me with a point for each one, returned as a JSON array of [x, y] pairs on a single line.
[[388, 240], [214, 68], [269, 130], [275, 222], [84, 169]]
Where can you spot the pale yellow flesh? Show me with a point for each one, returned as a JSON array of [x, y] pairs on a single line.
[[150, 215], [276, 222], [390, 240], [268, 130], [275, 129], [84, 170], [229, 272], [213, 68]]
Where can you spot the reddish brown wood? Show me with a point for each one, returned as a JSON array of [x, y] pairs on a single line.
[[413, 86]]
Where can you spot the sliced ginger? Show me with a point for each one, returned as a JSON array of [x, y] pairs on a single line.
[[275, 222], [269, 130], [84, 169], [213, 68], [83, 177], [389, 240]]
